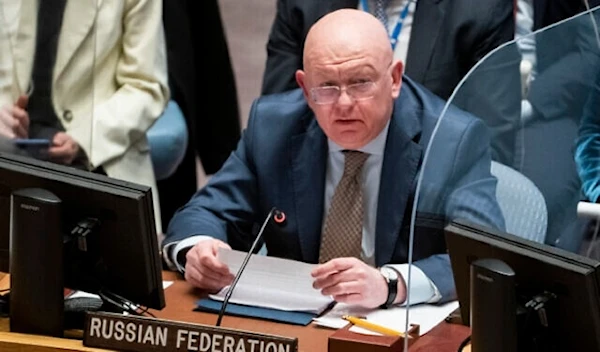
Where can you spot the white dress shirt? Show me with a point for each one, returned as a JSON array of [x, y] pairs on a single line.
[[523, 29], [527, 47]]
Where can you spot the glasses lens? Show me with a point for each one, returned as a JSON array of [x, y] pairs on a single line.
[[360, 91], [325, 95], [330, 94]]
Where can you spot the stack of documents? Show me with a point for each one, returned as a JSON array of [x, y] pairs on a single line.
[[281, 290], [275, 283], [270, 288], [427, 316]]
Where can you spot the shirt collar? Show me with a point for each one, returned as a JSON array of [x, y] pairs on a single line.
[[375, 147]]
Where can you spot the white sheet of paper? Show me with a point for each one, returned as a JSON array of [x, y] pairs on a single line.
[[273, 283], [426, 315]]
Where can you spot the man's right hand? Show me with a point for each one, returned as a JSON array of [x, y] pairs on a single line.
[[14, 120], [204, 270]]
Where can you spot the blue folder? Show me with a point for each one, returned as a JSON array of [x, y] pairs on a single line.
[[282, 316]]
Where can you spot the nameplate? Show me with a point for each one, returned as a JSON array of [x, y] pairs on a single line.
[[142, 334]]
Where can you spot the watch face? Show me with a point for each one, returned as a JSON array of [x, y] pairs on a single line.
[[389, 274]]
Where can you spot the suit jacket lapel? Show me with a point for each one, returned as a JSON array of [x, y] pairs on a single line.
[[78, 22], [428, 18], [309, 161], [401, 161], [24, 44]]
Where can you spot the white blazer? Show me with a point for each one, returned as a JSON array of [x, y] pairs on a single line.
[[109, 81]]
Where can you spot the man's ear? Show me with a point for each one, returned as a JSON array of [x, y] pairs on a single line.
[[397, 71], [301, 80]]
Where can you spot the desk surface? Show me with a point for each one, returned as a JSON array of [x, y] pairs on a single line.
[[181, 298]]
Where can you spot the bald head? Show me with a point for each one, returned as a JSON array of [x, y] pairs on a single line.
[[344, 33], [349, 80]]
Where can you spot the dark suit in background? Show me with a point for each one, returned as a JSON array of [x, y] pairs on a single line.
[[548, 12], [567, 62], [218, 132], [447, 39], [209, 87], [281, 162], [563, 57]]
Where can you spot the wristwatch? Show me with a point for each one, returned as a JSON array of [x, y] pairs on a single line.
[[391, 278]]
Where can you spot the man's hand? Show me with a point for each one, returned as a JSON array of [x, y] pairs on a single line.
[[349, 280], [14, 120], [204, 270], [64, 149]]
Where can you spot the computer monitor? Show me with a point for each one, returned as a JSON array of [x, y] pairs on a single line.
[[574, 323], [122, 254]]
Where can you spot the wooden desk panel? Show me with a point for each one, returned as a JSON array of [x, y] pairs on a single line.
[[13, 342]]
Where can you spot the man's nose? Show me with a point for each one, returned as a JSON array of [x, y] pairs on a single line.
[[345, 98]]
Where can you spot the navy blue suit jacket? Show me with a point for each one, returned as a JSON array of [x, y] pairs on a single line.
[[281, 162]]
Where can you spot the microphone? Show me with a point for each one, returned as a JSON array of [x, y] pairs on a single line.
[[279, 219]]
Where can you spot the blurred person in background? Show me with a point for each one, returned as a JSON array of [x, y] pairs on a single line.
[[209, 102], [560, 63], [88, 76], [587, 154]]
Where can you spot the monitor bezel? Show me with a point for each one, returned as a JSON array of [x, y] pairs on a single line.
[[98, 183], [496, 241]]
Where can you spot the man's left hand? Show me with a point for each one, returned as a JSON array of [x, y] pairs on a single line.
[[64, 149], [349, 280]]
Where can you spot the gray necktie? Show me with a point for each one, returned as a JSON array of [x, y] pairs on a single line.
[[342, 232], [379, 11]]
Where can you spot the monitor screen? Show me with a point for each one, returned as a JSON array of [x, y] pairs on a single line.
[[120, 255], [573, 279]]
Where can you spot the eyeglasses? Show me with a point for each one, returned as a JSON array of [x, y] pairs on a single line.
[[330, 94]]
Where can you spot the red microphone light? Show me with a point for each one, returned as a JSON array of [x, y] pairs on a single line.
[[279, 217]]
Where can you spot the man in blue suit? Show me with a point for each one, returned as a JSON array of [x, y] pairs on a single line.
[[295, 155]]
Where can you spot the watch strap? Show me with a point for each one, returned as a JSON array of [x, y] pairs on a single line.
[[392, 288]]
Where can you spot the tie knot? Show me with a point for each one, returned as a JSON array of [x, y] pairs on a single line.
[[354, 161]]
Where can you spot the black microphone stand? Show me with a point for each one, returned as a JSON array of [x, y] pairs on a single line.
[[280, 218]]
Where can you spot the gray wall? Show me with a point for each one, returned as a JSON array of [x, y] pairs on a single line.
[[247, 23]]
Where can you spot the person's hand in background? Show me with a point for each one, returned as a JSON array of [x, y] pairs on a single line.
[[14, 120], [64, 149]]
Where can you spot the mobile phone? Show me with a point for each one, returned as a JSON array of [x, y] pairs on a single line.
[[34, 147], [35, 143]]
